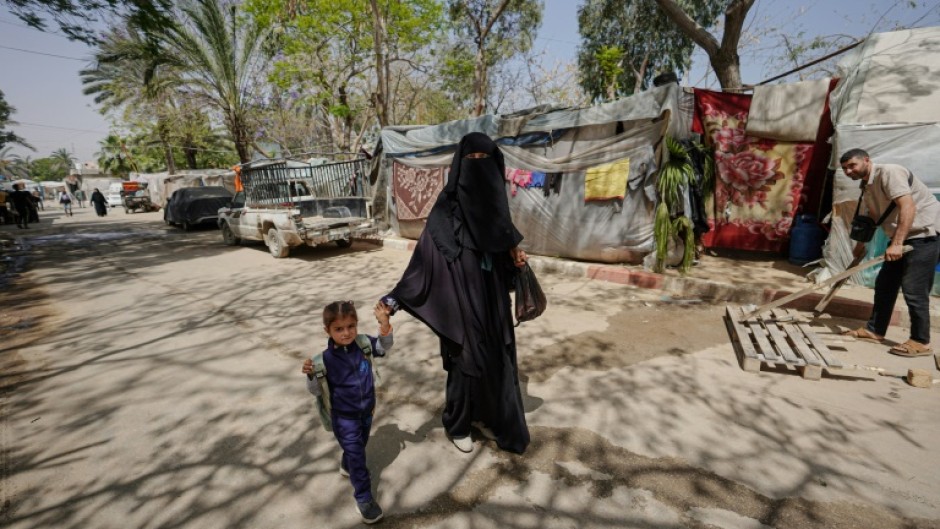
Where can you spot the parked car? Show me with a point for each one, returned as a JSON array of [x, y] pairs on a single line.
[[113, 195], [191, 206]]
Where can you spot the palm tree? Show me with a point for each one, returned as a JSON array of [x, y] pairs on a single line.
[[220, 53], [131, 70], [63, 160], [114, 157], [22, 166], [7, 162]]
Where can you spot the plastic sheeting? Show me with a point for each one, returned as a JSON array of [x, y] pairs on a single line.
[[887, 102], [645, 105], [561, 223], [787, 112]]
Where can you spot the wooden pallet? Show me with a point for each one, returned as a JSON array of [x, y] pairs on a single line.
[[778, 338]]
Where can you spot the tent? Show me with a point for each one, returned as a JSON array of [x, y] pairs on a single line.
[[162, 185], [886, 102], [580, 181]]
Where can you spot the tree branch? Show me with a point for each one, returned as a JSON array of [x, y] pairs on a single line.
[[690, 27], [734, 23]]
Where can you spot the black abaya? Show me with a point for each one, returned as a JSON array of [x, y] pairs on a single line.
[[101, 203], [458, 284]]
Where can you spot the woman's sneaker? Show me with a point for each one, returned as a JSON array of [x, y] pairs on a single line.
[[464, 444], [370, 511]]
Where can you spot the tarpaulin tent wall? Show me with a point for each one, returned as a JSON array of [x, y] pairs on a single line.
[[888, 103], [550, 155], [162, 185]]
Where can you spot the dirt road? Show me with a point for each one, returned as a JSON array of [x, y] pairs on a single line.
[[150, 379]]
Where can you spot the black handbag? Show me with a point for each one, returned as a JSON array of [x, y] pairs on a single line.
[[863, 227], [530, 300]]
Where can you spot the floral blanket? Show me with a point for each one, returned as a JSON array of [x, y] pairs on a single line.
[[416, 189], [759, 182]]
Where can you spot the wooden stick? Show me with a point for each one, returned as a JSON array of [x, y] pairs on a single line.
[[834, 279], [824, 302]]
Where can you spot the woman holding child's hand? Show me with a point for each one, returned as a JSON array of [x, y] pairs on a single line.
[[458, 284]]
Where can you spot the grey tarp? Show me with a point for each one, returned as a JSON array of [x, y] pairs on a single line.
[[887, 102], [562, 224], [162, 185]]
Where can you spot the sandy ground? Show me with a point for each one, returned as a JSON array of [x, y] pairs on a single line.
[[149, 378]]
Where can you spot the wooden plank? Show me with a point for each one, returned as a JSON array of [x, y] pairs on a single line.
[[820, 346], [832, 280], [760, 336], [813, 368], [799, 343], [779, 340], [747, 356], [824, 302]]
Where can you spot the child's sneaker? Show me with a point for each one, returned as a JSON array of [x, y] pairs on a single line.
[[342, 469], [370, 511], [464, 444]]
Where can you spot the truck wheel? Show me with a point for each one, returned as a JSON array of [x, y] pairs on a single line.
[[228, 237], [344, 243], [276, 245]]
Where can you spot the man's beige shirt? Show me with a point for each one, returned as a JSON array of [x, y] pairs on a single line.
[[888, 182]]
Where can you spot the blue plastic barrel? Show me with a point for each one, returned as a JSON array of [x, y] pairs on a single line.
[[806, 240]]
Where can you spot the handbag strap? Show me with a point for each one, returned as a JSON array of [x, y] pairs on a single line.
[[910, 182]]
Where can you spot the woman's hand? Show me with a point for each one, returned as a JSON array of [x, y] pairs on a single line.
[[519, 256]]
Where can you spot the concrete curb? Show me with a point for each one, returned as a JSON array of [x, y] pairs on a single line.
[[692, 288]]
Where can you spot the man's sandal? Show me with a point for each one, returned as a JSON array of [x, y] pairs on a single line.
[[864, 334], [911, 349]]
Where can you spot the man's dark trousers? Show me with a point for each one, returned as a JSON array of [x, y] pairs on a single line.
[[912, 275]]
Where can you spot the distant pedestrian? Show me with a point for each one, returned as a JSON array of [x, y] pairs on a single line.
[[80, 197], [100, 202], [37, 200], [66, 202], [342, 378], [22, 205]]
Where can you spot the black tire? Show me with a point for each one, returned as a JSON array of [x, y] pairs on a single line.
[[228, 237], [276, 245], [344, 243], [186, 226]]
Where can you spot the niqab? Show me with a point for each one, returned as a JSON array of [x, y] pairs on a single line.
[[472, 211]]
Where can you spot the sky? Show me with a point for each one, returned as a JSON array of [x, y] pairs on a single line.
[[39, 74]]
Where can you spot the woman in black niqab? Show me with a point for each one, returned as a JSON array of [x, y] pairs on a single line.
[[458, 284]]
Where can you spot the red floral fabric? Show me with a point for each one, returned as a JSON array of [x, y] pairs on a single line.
[[759, 183]]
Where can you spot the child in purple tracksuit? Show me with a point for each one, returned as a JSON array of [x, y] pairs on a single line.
[[350, 381]]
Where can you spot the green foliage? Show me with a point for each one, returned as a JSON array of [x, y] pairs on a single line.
[[492, 32], [610, 63], [649, 41], [7, 136], [326, 51], [675, 174], [78, 18], [46, 169]]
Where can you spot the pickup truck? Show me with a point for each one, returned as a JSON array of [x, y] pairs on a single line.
[[290, 204]]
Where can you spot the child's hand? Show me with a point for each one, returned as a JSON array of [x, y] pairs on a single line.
[[382, 315], [382, 312], [307, 369]]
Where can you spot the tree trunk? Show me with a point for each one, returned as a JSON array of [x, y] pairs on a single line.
[[728, 69], [479, 82], [380, 96], [167, 148], [722, 56]]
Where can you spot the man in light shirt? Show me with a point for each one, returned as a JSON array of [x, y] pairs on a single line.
[[912, 222]]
